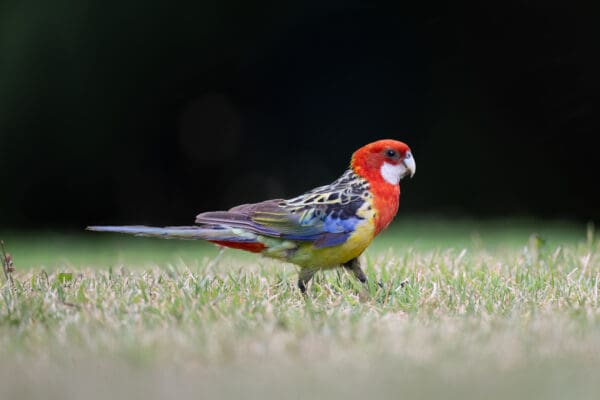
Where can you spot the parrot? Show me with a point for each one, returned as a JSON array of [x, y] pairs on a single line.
[[327, 227]]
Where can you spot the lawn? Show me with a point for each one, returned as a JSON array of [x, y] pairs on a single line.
[[495, 309]]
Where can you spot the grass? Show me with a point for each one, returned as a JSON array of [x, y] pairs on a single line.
[[500, 309]]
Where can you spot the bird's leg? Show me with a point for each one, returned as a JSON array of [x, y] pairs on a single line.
[[304, 277], [354, 266]]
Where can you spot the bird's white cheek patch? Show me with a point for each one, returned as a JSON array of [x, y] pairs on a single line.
[[392, 173]]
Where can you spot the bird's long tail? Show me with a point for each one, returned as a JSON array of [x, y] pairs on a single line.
[[167, 232], [221, 235]]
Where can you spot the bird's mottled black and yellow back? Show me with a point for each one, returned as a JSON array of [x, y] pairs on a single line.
[[339, 200], [325, 216]]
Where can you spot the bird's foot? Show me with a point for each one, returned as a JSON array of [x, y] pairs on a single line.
[[304, 277]]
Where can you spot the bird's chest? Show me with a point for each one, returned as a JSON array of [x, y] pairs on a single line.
[[385, 203], [307, 255]]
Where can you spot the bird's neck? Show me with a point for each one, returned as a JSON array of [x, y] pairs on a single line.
[[386, 197]]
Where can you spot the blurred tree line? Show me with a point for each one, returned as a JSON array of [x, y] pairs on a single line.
[[149, 112]]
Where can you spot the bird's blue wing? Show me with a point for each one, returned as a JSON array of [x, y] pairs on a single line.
[[326, 216]]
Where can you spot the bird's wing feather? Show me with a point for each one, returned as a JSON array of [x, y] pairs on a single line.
[[325, 216]]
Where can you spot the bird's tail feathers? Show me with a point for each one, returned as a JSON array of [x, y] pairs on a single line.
[[180, 232]]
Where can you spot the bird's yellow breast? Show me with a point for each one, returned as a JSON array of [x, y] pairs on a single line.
[[330, 257]]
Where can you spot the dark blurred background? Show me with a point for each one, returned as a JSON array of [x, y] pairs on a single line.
[[149, 112]]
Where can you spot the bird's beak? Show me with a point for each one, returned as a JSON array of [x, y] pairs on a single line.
[[409, 163]]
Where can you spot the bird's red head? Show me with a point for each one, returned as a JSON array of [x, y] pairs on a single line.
[[383, 162]]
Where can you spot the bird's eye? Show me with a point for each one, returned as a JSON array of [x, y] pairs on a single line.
[[391, 153]]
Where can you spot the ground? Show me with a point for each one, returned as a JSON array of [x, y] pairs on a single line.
[[496, 309]]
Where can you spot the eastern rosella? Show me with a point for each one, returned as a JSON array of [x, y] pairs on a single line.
[[326, 227]]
